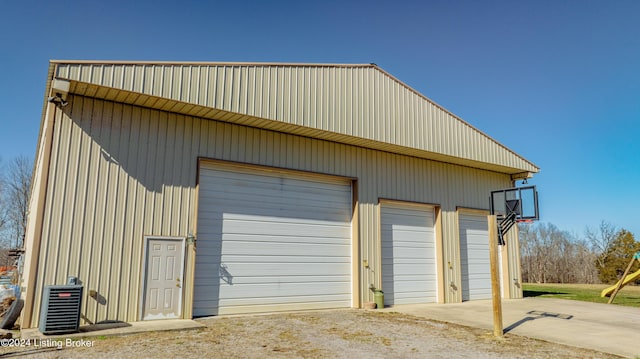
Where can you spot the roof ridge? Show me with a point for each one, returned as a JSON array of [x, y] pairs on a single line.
[[205, 63]]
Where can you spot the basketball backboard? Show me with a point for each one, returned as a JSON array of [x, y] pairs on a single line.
[[521, 201]]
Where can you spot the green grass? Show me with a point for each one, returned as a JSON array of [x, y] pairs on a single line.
[[628, 296]]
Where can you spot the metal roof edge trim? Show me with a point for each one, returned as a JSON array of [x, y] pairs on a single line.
[[205, 63]]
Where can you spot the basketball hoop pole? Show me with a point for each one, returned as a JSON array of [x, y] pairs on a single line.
[[496, 296], [509, 206]]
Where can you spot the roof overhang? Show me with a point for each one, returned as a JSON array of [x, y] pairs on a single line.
[[92, 79], [189, 109]]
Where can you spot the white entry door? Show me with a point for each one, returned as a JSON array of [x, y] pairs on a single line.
[[163, 279]]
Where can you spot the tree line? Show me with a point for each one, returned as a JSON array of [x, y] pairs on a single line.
[[551, 255], [15, 187]]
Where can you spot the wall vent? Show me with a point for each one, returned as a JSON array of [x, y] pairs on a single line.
[[60, 310]]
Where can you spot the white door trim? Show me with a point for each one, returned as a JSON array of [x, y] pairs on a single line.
[[143, 293]]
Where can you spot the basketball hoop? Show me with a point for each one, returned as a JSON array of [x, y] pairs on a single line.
[[513, 205], [527, 221]]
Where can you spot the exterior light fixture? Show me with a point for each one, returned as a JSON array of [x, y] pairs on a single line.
[[191, 239]]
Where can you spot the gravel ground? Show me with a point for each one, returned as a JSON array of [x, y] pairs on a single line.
[[320, 334]]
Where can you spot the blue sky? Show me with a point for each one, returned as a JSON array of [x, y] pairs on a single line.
[[556, 81]]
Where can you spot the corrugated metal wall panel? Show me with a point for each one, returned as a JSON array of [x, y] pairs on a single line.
[[351, 100], [121, 172]]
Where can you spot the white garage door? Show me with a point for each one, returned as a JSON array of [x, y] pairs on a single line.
[[474, 256], [268, 242], [408, 254]]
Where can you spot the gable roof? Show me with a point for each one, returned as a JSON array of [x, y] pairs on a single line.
[[353, 104]]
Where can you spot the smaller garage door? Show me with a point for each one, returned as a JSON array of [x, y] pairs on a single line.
[[408, 254], [474, 257]]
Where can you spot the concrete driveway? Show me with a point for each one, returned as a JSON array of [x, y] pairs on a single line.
[[607, 328]]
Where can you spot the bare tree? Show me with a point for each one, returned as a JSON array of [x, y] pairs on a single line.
[[601, 241], [3, 207], [585, 263], [550, 255], [18, 187]]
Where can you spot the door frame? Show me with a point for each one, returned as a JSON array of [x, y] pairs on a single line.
[[143, 294]]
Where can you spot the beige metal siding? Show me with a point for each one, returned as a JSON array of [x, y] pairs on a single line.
[[120, 172], [350, 100], [113, 180]]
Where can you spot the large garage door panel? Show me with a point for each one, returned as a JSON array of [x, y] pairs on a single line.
[[266, 239], [282, 278], [317, 261], [271, 241], [262, 292], [270, 188], [257, 248], [275, 269], [409, 268], [235, 208], [251, 299], [406, 250], [293, 228], [264, 208]]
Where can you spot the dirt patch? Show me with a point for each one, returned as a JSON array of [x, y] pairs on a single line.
[[323, 334]]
